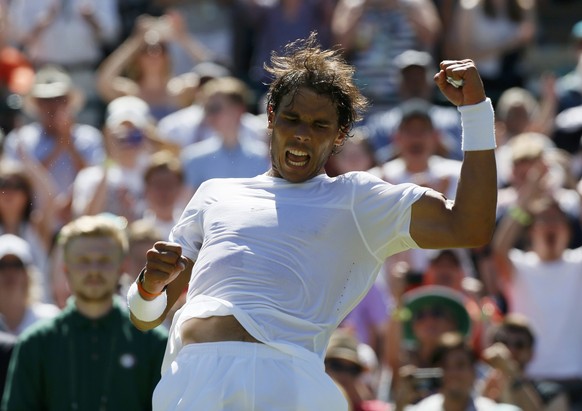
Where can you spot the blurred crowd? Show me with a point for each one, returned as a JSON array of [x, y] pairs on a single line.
[[121, 109]]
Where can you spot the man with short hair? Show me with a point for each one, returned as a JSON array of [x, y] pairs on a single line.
[[275, 262], [89, 357]]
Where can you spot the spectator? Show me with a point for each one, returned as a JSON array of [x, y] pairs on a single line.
[[20, 287], [420, 318], [89, 356], [213, 23], [27, 209], [276, 23], [415, 83], [373, 33], [71, 34], [344, 363], [542, 283], [518, 112], [512, 349], [458, 362], [569, 86], [116, 186], [417, 144], [142, 66], [495, 35], [357, 154], [164, 191], [228, 153], [62, 146], [190, 125]]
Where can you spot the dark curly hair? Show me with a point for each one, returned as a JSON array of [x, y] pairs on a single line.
[[305, 64]]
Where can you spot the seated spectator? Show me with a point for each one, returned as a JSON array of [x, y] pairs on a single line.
[[69, 34], [415, 82], [357, 154], [422, 315], [164, 191], [142, 66], [27, 210], [418, 147], [458, 362], [20, 289], [116, 186], [189, 125], [344, 363], [55, 141], [512, 349], [228, 153]]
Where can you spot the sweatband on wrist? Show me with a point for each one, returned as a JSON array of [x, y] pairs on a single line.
[[478, 121], [145, 310]]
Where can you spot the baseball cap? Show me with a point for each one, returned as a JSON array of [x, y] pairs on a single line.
[[429, 295], [410, 58], [16, 246], [128, 109], [415, 108]]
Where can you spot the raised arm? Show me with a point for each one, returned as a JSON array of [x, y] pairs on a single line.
[[165, 267], [469, 220]]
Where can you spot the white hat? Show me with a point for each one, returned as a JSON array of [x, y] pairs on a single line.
[[16, 246], [128, 108]]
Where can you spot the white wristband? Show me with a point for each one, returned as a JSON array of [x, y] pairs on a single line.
[[478, 122], [145, 310]]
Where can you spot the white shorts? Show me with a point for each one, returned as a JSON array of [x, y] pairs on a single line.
[[243, 376]]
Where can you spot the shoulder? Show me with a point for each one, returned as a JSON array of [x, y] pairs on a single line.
[[188, 116]]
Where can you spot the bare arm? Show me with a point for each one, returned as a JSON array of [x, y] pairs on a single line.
[[165, 266], [469, 221]]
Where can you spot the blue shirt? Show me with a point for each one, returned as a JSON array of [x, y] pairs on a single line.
[[212, 159]]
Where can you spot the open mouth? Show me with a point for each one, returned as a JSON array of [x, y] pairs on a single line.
[[297, 158]]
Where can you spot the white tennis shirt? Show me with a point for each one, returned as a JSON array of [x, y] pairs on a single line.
[[289, 260]]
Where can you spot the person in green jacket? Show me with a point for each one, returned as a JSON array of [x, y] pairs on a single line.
[[89, 357]]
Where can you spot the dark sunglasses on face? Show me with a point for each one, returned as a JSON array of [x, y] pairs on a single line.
[[214, 108], [132, 138], [515, 343], [343, 367], [13, 264], [6, 184], [433, 312]]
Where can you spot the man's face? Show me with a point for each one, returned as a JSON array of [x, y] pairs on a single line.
[[431, 321], [93, 267], [550, 232], [13, 277], [416, 138], [458, 374], [519, 344], [304, 131]]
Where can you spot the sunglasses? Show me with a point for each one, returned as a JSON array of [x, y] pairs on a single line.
[[7, 184], [430, 312], [343, 367], [11, 265], [214, 108], [132, 138], [515, 343]]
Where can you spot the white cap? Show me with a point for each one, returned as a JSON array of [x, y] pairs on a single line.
[[16, 246], [128, 108]]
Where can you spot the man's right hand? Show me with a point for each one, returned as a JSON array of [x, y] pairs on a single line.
[[164, 262]]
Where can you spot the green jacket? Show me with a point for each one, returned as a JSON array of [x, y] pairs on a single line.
[[72, 362]]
